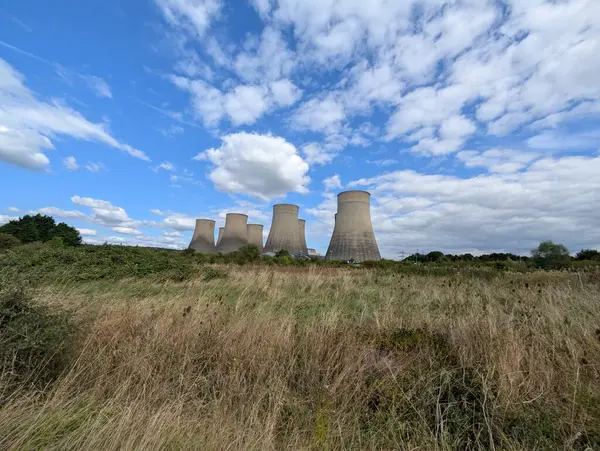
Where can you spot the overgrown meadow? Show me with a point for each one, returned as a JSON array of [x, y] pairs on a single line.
[[108, 347]]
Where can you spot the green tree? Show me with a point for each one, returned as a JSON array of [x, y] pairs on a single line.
[[549, 255], [41, 228], [435, 256], [8, 241], [587, 254]]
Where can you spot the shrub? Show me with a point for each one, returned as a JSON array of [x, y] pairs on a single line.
[[8, 241], [34, 341], [549, 255], [282, 253]]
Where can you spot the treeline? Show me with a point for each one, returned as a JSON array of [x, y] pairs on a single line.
[[38, 229]]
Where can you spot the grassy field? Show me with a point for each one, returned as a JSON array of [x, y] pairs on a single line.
[[155, 350]]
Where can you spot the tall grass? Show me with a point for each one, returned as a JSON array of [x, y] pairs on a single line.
[[309, 358]]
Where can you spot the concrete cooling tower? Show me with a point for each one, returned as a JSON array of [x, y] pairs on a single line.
[[285, 232], [220, 235], [302, 232], [255, 235], [203, 239], [234, 235], [353, 237]]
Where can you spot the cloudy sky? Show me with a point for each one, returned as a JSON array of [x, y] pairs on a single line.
[[473, 123]]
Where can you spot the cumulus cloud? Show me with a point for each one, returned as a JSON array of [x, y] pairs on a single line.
[[28, 124], [332, 183], [551, 199], [127, 231], [105, 213], [157, 212], [71, 163], [195, 15], [165, 165], [263, 166], [243, 104]]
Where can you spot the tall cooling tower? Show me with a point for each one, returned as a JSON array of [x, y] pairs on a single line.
[[255, 235], [203, 239], [284, 233], [302, 232], [353, 237], [220, 235], [234, 235]]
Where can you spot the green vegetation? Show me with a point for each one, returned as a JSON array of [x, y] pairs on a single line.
[[8, 241], [119, 347], [549, 255], [30, 229]]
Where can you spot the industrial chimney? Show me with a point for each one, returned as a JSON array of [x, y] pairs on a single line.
[[353, 237], [220, 235], [203, 239], [234, 235], [302, 232], [284, 233], [255, 235]]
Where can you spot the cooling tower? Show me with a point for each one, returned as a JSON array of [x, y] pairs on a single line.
[[220, 235], [203, 239], [284, 233], [255, 235], [302, 232], [353, 237], [234, 235]]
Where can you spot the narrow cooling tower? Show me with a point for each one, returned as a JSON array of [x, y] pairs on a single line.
[[220, 235], [255, 235], [234, 235], [302, 232], [284, 233], [353, 237], [203, 239]]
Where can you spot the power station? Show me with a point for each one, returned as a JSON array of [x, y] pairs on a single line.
[[285, 230], [203, 239], [235, 234], [255, 235], [352, 239]]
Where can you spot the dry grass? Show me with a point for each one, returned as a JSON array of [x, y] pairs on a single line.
[[322, 359]]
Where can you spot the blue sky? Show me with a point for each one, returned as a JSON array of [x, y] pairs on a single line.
[[473, 123]]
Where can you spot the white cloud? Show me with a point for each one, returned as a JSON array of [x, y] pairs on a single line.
[[320, 114], [105, 213], [285, 93], [98, 85], [262, 166], [29, 124], [95, 167], [167, 166], [195, 15], [4, 219], [71, 163], [332, 183], [157, 212], [173, 234], [242, 105], [551, 199], [179, 222], [498, 160], [385, 162], [318, 154], [88, 232], [13, 209], [59, 213], [127, 231]]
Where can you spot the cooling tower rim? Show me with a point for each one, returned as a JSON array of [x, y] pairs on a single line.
[[276, 206], [205, 220], [251, 224], [235, 215], [354, 191], [301, 220]]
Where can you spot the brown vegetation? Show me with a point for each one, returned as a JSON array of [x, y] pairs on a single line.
[[259, 358]]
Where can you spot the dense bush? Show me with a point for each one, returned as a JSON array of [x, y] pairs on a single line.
[[8, 241], [34, 340], [29, 229], [549, 255]]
